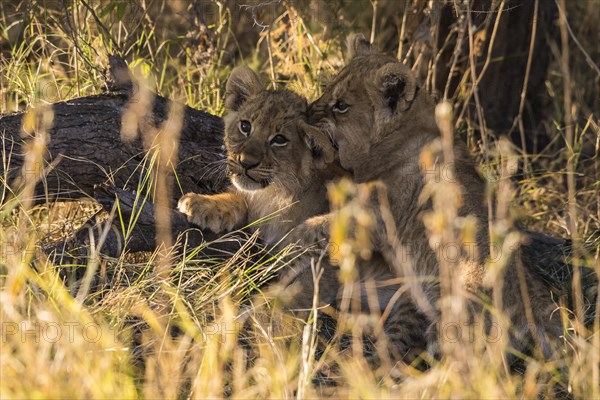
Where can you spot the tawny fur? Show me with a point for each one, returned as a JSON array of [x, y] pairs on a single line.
[[290, 182], [285, 183], [381, 122]]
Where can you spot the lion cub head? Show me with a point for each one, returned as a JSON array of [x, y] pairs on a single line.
[[267, 137], [364, 104]]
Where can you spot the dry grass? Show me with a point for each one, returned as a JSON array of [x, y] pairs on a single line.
[[190, 326]]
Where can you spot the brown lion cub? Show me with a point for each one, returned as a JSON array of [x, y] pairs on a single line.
[[277, 162], [382, 121]]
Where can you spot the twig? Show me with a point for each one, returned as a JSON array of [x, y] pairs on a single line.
[[374, 21], [459, 39], [271, 66], [479, 109], [587, 56], [519, 118], [472, 67], [74, 38], [564, 65], [437, 59], [402, 31], [253, 10], [101, 25], [487, 60]]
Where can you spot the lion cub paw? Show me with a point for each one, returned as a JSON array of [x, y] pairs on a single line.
[[209, 212], [314, 230]]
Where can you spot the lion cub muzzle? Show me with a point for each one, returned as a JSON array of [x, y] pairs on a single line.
[[247, 172]]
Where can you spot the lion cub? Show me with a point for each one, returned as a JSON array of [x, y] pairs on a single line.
[[382, 121], [278, 164]]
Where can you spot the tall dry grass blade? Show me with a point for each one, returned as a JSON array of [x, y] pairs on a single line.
[[572, 201]]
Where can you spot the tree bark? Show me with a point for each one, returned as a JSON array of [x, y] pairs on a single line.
[[92, 160], [142, 237], [86, 141], [436, 26], [501, 85]]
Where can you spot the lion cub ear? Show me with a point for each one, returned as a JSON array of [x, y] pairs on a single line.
[[396, 86], [318, 143], [357, 45], [242, 84]]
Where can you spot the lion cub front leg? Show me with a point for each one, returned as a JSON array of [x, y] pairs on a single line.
[[218, 212]]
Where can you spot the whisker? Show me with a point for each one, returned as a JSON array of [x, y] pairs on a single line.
[[215, 170]]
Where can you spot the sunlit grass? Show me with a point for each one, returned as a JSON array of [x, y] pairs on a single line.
[[212, 327]]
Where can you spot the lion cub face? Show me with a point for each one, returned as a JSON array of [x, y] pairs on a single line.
[[369, 95], [267, 138]]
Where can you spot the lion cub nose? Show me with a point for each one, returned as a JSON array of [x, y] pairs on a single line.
[[249, 161]]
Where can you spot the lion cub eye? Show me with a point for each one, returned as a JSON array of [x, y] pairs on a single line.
[[245, 127], [279, 140], [340, 106]]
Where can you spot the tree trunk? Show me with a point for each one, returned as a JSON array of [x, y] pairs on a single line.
[[501, 85], [436, 26]]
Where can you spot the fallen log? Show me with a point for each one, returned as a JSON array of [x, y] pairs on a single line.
[[85, 139], [114, 239], [89, 158]]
